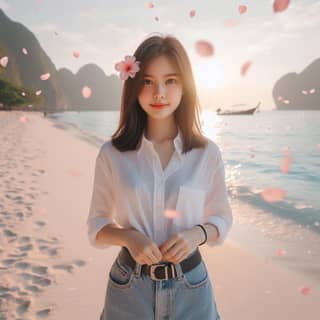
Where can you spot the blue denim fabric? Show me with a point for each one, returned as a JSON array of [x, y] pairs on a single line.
[[134, 296]]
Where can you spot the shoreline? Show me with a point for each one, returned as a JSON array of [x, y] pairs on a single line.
[[52, 172]]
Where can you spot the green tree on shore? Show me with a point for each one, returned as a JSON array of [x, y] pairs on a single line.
[[12, 96]]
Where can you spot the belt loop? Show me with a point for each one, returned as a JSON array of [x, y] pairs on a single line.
[[178, 270], [137, 270]]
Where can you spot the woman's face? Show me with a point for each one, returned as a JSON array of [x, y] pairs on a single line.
[[161, 86]]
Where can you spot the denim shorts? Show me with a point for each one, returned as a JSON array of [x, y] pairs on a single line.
[[131, 295]]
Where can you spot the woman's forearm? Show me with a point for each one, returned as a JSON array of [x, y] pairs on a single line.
[[114, 235]]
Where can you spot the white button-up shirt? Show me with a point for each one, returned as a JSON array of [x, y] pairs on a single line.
[[131, 189]]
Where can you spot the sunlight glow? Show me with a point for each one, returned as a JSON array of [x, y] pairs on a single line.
[[209, 74]]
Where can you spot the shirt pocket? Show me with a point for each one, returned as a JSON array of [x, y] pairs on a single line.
[[190, 205]]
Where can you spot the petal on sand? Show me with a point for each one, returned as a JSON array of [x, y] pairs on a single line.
[[286, 101], [281, 252], [312, 91], [86, 92], [279, 98], [245, 68], [45, 76], [23, 93], [280, 5], [38, 92], [305, 290], [204, 48], [24, 51], [242, 9], [4, 61], [273, 194], [172, 214], [305, 92], [192, 13]]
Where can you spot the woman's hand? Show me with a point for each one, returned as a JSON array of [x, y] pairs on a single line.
[[180, 245], [142, 249]]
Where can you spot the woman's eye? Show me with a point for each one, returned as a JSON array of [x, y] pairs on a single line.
[[171, 81], [147, 82]]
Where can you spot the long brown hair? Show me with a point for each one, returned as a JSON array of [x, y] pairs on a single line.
[[133, 118]]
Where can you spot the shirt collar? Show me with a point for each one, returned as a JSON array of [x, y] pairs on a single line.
[[177, 141]]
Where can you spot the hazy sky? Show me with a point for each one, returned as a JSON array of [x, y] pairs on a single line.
[[104, 31]]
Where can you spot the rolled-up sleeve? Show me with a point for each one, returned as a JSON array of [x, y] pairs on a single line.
[[102, 207], [217, 207]]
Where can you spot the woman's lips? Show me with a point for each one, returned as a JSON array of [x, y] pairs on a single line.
[[159, 105]]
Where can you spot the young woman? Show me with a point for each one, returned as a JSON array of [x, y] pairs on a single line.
[[159, 192]]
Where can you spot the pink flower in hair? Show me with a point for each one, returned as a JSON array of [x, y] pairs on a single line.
[[128, 68]]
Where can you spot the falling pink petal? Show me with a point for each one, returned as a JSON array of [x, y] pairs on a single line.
[[38, 92], [192, 13], [23, 93], [74, 173], [86, 92], [305, 92], [24, 51], [23, 119], [286, 101], [285, 164], [45, 76], [4, 61], [230, 23], [305, 290], [273, 194], [149, 5], [156, 18], [76, 54], [279, 98], [281, 252], [280, 5], [245, 67], [242, 9], [312, 91], [172, 214], [204, 48]]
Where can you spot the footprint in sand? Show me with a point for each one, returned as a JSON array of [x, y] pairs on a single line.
[[40, 223], [42, 281], [50, 251], [33, 289], [40, 270], [8, 233], [8, 262], [18, 255], [43, 313], [23, 306], [27, 247], [24, 239], [65, 267], [80, 263], [20, 215], [22, 265]]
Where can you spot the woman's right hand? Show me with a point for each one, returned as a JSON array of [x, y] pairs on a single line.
[[142, 249]]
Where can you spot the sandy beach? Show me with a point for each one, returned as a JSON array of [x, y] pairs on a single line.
[[48, 270]]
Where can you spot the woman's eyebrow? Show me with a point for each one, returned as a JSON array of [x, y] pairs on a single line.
[[165, 76]]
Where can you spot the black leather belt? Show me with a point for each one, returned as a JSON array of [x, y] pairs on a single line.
[[161, 271]]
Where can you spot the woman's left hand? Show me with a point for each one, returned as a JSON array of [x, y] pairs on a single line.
[[179, 246]]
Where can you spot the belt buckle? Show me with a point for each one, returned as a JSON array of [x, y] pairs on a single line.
[[166, 266]]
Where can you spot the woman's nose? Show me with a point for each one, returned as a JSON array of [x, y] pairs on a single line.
[[159, 91]]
